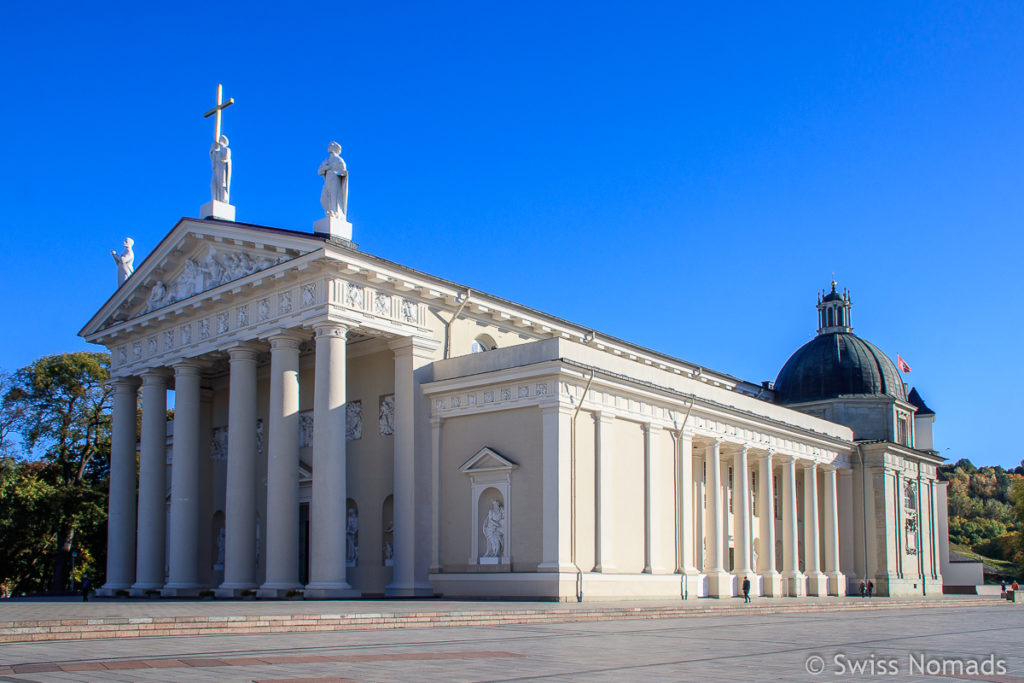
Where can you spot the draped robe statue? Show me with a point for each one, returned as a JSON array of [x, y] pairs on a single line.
[[125, 261], [334, 197], [220, 159]]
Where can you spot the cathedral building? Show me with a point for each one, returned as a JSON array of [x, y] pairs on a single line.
[[347, 426]]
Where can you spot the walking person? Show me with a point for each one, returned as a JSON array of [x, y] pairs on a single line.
[[863, 589], [871, 587], [746, 589], [86, 587]]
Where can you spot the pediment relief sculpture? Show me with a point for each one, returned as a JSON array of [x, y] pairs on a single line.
[[203, 273]]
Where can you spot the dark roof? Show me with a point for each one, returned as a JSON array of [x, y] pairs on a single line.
[[837, 364], [833, 296], [915, 400]]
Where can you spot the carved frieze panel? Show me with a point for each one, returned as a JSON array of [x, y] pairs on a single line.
[[306, 429], [219, 443], [353, 420], [386, 417]]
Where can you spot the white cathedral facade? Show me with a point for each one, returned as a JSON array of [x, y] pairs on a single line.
[[347, 426]]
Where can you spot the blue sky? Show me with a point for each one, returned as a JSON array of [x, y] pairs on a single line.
[[684, 177]]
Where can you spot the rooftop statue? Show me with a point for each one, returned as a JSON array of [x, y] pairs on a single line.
[[334, 197], [125, 261]]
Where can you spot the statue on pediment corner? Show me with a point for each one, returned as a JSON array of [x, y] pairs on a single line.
[[125, 261]]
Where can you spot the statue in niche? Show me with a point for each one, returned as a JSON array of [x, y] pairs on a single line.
[[389, 547], [494, 530], [220, 548], [352, 538], [754, 554], [125, 261], [334, 196], [220, 159]]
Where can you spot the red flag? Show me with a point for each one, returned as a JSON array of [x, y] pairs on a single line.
[[902, 364]]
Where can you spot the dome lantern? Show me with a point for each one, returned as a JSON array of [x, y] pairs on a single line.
[[834, 312]]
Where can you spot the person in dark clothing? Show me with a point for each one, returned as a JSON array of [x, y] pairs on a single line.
[[863, 589], [871, 587], [86, 587], [746, 589]]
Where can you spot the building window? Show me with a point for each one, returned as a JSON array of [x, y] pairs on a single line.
[[903, 430], [753, 493], [730, 490], [775, 497], [831, 317], [483, 343]]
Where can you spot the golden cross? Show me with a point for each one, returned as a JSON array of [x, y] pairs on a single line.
[[217, 110]]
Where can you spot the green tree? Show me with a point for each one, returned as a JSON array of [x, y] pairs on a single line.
[[62, 409]]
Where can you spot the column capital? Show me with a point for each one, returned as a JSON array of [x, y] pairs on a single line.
[[765, 455], [124, 383], [603, 416], [243, 351], [330, 328], [651, 427], [188, 367], [810, 465], [155, 376], [285, 339], [412, 344], [827, 467]]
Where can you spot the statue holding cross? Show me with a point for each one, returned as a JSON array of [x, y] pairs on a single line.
[[220, 160], [220, 155]]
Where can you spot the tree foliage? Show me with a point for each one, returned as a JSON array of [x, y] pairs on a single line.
[[53, 494], [986, 509]]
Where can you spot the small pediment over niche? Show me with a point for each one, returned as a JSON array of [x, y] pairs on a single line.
[[487, 460], [305, 473]]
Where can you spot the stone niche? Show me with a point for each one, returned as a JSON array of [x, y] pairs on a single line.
[[490, 481]]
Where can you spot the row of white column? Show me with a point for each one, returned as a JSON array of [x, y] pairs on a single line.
[[791, 581], [136, 544]]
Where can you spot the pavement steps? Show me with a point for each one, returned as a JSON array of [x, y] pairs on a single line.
[[135, 627]]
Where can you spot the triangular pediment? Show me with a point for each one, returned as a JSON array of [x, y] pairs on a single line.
[[487, 460], [197, 257]]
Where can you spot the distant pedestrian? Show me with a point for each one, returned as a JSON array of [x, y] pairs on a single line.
[[863, 589], [746, 589], [1002, 589], [1015, 587], [871, 588], [86, 587]]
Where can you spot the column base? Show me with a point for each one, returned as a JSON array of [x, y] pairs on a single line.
[[771, 585], [280, 589], [602, 568], [836, 584], [720, 584], [330, 591], [111, 590], [794, 584], [235, 590], [691, 584], [416, 590], [817, 584], [145, 590], [181, 590]]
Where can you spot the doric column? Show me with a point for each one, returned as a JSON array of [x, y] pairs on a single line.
[[240, 498], [653, 555], [719, 580], [327, 508], [771, 580], [816, 582], [686, 519], [742, 516], [184, 526], [283, 468], [149, 569], [556, 489], [605, 491], [794, 580], [411, 354], [121, 505], [836, 580]]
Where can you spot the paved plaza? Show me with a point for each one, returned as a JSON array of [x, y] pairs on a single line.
[[880, 644]]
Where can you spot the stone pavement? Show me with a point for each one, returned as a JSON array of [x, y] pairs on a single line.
[[729, 645], [38, 620]]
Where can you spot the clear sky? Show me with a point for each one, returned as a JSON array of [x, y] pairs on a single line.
[[683, 177]]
